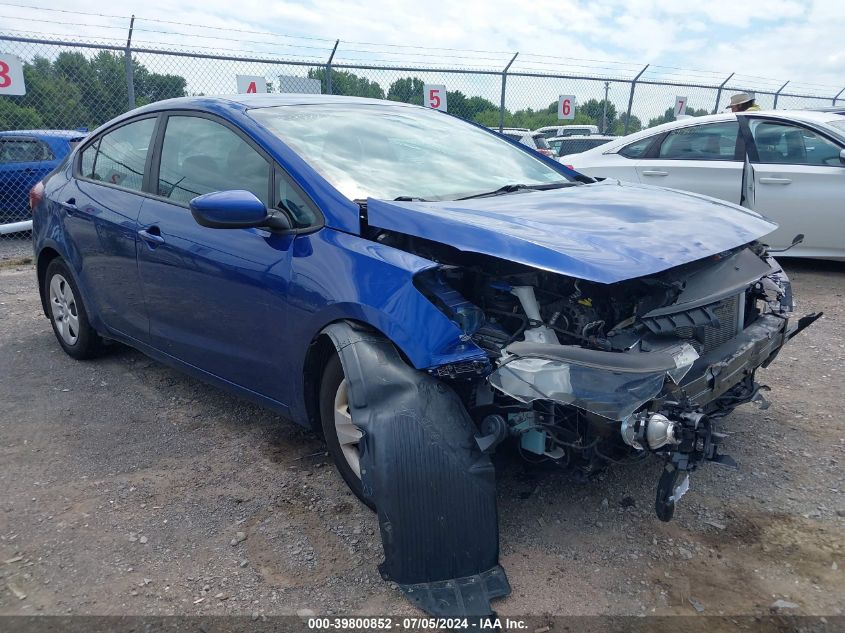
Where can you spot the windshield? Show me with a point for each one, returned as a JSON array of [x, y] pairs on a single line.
[[387, 152]]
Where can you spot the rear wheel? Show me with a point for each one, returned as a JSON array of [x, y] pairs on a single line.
[[68, 315], [342, 436]]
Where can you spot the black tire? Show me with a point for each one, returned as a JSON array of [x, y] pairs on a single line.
[[87, 343], [329, 385]]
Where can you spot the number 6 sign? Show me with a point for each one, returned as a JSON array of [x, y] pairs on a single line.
[[11, 76], [566, 107], [434, 96]]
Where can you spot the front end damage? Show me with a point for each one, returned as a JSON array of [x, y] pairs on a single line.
[[577, 373]]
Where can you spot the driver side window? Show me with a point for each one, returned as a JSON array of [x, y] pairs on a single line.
[[199, 156], [784, 144]]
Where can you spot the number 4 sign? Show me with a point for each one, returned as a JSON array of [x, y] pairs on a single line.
[[680, 106], [249, 84], [11, 76], [434, 96], [566, 107]]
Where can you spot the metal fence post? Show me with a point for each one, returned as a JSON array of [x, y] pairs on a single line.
[[631, 99], [719, 93], [777, 94], [329, 69], [837, 96], [504, 82], [130, 71]]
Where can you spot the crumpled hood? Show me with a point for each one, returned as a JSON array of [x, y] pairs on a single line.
[[604, 232]]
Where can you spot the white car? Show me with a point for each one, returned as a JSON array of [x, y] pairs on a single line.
[[532, 139], [794, 172], [552, 131]]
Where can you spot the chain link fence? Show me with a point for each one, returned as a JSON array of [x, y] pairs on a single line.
[[76, 85]]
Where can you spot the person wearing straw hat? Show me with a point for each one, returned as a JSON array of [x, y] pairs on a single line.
[[743, 102]]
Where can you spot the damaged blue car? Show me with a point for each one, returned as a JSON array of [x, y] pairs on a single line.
[[420, 290]]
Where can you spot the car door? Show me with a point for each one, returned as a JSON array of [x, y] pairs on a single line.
[[100, 216], [24, 160], [705, 159], [799, 182], [216, 297]]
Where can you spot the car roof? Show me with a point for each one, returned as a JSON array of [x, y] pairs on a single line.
[[65, 134]]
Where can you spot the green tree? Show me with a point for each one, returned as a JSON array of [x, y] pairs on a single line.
[[15, 117], [74, 91], [346, 83], [595, 109], [407, 90], [635, 126]]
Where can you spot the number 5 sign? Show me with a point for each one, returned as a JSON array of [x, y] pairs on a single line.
[[680, 106], [11, 76], [434, 96], [566, 107]]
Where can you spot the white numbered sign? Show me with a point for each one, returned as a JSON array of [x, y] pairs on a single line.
[[680, 106], [11, 76], [566, 107], [434, 96], [248, 84]]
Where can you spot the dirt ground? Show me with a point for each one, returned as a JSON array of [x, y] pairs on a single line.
[[125, 485]]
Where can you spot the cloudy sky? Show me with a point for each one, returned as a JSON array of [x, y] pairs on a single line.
[[766, 42]]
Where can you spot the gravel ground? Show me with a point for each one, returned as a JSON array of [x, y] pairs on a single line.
[[129, 488], [15, 246]]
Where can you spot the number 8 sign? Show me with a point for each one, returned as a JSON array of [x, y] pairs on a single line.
[[434, 96], [566, 107], [11, 76]]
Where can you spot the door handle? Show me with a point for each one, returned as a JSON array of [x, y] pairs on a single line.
[[775, 181], [655, 172], [69, 206], [152, 236]]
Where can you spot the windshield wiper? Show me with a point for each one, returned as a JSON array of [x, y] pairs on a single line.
[[518, 187], [409, 199]]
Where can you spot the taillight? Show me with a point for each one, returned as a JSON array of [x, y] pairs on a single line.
[[36, 195]]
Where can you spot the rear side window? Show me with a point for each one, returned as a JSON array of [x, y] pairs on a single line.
[[637, 149], [22, 150], [576, 146], [118, 157], [199, 156], [713, 141]]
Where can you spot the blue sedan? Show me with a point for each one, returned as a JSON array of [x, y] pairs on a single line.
[[421, 291], [26, 156]]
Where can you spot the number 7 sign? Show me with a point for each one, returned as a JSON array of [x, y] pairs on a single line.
[[434, 96], [680, 106], [11, 76]]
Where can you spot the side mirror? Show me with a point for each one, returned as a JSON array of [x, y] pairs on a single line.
[[235, 209], [842, 156]]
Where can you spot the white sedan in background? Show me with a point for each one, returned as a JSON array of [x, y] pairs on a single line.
[[794, 172]]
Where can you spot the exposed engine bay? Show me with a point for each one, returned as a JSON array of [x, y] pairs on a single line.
[[553, 348], [585, 374]]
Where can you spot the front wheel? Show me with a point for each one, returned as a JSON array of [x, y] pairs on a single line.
[[68, 315], [343, 438]]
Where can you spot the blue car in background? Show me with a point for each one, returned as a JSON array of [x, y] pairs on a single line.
[[421, 291], [26, 156]]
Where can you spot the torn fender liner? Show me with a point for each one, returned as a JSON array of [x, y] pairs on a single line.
[[434, 490]]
